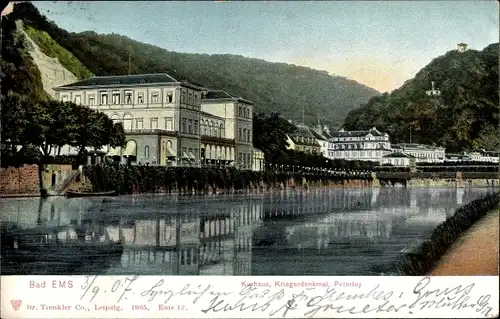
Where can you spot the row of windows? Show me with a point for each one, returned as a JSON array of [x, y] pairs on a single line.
[[244, 112], [138, 123], [356, 146], [362, 138], [245, 160], [426, 155], [118, 98], [359, 154], [189, 126], [213, 129], [244, 135], [305, 139]]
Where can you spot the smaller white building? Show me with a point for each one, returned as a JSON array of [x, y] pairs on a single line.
[[483, 156], [370, 145], [398, 159], [422, 153], [258, 160]]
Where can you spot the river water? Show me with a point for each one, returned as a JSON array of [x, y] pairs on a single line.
[[294, 232]]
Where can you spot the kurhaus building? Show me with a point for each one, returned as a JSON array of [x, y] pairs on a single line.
[[169, 122]]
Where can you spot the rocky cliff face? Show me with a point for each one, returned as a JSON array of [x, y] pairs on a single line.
[[52, 72]]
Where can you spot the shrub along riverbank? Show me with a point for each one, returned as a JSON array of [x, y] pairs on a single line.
[[429, 253], [186, 180]]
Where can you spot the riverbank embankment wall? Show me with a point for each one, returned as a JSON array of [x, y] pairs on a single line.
[[23, 181]]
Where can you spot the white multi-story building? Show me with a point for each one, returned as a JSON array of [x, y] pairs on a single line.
[[169, 122], [369, 145], [236, 144], [422, 153]]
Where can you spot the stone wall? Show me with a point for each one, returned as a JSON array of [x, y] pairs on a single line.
[[19, 181]]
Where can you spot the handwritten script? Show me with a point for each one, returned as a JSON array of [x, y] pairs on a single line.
[[283, 302]]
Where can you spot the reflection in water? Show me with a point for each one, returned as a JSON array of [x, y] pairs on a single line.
[[293, 232]]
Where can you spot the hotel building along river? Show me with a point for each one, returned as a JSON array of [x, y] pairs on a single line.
[[170, 122]]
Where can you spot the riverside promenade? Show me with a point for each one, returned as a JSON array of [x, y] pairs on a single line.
[[476, 252]]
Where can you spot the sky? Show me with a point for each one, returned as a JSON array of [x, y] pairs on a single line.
[[380, 44]]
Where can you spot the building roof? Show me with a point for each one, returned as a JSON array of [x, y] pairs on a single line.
[[220, 94], [209, 115], [399, 155], [123, 80], [318, 135], [303, 131], [341, 133], [415, 146]]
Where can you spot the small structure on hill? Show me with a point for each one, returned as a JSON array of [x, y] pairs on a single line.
[[462, 47]]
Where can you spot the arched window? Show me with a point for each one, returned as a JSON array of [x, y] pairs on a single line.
[[146, 152], [204, 123], [216, 130], [211, 128], [115, 118], [221, 130]]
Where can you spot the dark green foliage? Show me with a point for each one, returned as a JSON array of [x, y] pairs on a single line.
[[269, 135], [425, 258], [18, 74], [464, 117], [273, 87]]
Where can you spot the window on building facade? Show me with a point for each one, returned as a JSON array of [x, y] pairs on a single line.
[[183, 97], [168, 124], [104, 98], [204, 124], [128, 97], [170, 97], [239, 111], [216, 131], [155, 97], [91, 100], [222, 131], [78, 99], [139, 124], [140, 98], [249, 138], [190, 126], [239, 134], [146, 152], [116, 97], [245, 134], [153, 123], [184, 125], [240, 158], [64, 98], [195, 127], [190, 99]]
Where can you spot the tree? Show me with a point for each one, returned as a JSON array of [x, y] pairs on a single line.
[[269, 135], [93, 129]]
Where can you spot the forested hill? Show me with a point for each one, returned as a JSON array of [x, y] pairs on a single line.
[[273, 87], [464, 117]]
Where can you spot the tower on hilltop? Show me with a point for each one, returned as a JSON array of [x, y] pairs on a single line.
[[462, 47]]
